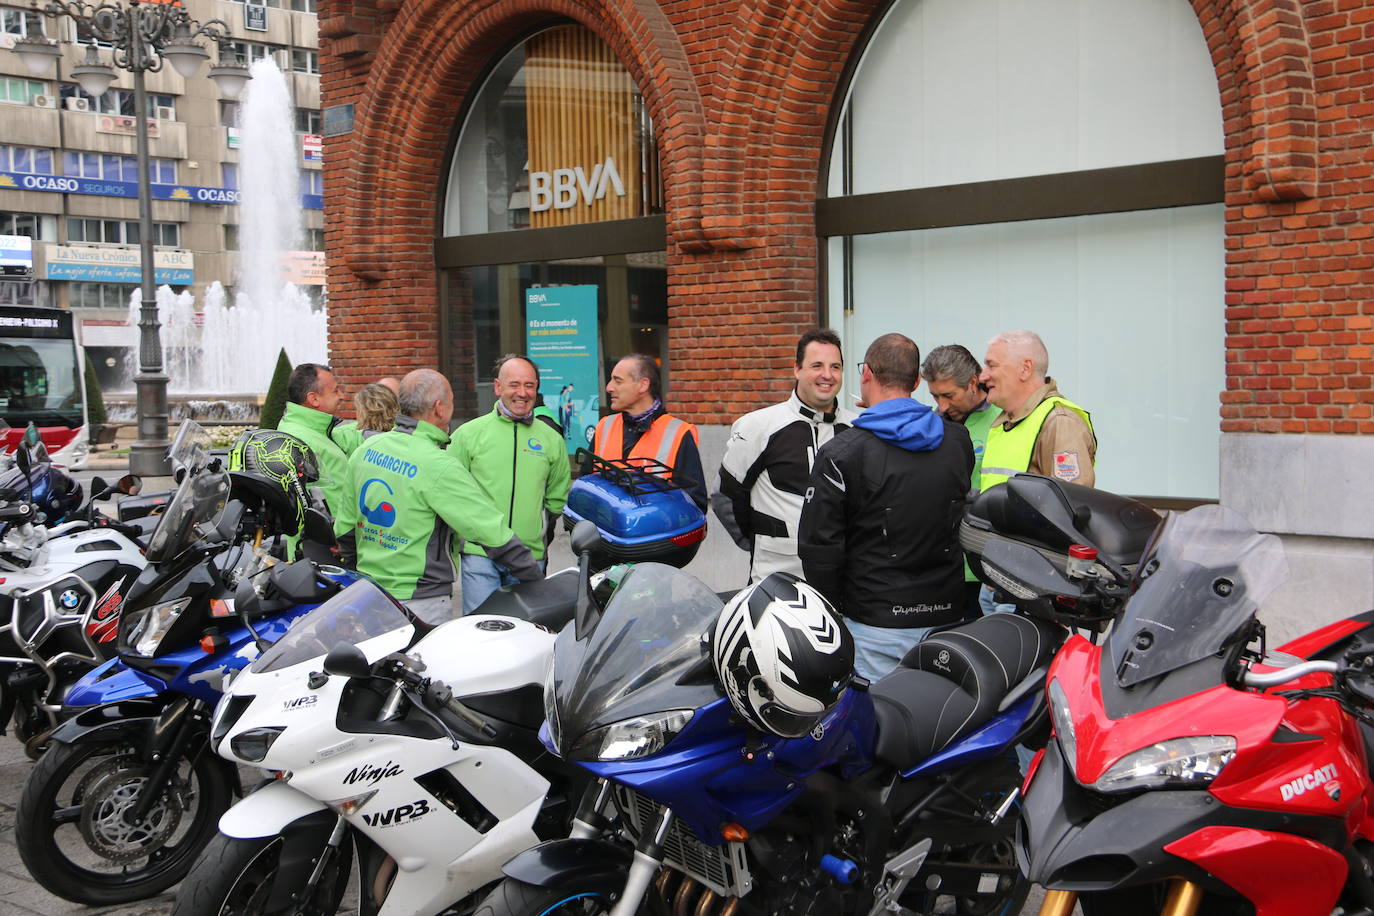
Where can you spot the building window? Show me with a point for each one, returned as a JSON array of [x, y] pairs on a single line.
[[303, 6], [1125, 102], [229, 175], [116, 168], [249, 51], [304, 61], [228, 113], [20, 91], [121, 101], [21, 23], [39, 226], [231, 237], [120, 232], [18, 291], [557, 136], [100, 295], [309, 121], [27, 159], [313, 239], [312, 182]]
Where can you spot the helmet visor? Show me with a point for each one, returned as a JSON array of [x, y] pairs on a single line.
[[786, 723]]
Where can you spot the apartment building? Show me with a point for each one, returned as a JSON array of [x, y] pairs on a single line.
[[69, 229]]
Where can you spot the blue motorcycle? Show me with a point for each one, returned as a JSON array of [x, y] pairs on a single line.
[[129, 793], [889, 806]]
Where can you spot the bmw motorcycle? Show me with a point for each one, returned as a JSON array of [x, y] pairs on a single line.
[[129, 793], [414, 745], [887, 806], [1192, 771]]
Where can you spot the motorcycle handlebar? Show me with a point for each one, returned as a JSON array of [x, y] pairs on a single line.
[[17, 512], [442, 694], [1292, 673]]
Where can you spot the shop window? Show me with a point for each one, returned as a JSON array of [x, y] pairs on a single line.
[[1112, 286]]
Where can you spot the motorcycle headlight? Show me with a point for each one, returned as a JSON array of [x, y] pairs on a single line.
[[1176, 763], [1062, 717], [251, 746], [144, 629], [631, 739]]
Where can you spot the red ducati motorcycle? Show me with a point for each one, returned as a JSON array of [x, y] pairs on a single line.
[[1190, 771]]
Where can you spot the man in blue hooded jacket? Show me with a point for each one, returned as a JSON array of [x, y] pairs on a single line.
[[878, 534]]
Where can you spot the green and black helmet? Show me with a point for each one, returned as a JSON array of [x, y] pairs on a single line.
[[281, 458]]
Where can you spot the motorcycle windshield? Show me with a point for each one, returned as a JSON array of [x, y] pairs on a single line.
[[649, 636], [1205, 576], [359, 612], [191, 515]]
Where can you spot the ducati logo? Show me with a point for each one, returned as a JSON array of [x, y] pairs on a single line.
[[1320, 776]]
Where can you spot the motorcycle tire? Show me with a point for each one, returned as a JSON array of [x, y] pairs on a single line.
[[72, 836], [233, 877], [516, 898]]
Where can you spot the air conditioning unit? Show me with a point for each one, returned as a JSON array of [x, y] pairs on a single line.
[[166, 113], [76, 103], [45, 101]]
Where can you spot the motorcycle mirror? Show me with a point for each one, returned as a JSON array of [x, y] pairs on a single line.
[[318, 528], [585, 538], [100, 488], [295, 582], [129, 484], [346, 660], [21, 457], [246, 601], [1025, 573]]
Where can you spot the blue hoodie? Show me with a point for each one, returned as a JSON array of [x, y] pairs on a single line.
[[905, 423]]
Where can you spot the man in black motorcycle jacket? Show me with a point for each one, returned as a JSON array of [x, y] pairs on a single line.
[[879, 530], [769, 456]]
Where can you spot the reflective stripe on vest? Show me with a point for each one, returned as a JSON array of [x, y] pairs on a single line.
[[1009, 451], [660, 442]]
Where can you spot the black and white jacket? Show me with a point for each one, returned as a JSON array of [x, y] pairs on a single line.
[[763, 478]]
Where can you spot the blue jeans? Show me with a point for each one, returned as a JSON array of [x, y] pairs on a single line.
[[877, 650], [480, 576], [989, 606]]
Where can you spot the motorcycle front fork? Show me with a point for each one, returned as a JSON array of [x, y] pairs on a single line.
[[1184, 899]]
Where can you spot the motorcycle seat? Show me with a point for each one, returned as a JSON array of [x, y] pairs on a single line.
[[548, 602], [952, 683]]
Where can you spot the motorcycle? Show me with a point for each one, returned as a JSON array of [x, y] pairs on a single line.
[[128, 793], [1191, 770], [883, 807], [414, 744]]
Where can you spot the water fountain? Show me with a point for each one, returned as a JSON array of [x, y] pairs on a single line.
[[228, 352]]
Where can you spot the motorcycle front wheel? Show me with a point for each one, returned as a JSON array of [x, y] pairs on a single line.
[[516, 898], [74, 835], [234, 877]]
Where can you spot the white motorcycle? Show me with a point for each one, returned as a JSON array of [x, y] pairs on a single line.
[[416, 745]]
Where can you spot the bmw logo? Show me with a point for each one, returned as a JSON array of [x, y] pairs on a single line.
[[69, 599]]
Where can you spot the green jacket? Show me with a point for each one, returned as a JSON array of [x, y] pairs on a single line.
[[523, 468], [347, 436], [411, 497], [978, 423], [312, 427]]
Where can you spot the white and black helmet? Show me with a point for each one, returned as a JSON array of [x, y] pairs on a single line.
[[783, 655]]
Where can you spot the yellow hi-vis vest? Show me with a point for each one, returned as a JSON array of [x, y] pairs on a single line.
[[1009, 451]]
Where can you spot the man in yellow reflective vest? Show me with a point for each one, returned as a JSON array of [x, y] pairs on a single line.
[[1039, 430], [640, 427]]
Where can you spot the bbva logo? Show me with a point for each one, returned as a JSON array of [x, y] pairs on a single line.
[[561, 188]]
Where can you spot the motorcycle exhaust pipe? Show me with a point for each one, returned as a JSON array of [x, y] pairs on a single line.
[[686, 893], [1184, 899], [1058, 903]]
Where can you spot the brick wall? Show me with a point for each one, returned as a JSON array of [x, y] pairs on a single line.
[[741, 93]]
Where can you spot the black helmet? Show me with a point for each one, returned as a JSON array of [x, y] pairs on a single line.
[[283, 459], [783, 655]]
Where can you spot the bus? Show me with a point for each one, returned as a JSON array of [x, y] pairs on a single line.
[[42, 382]]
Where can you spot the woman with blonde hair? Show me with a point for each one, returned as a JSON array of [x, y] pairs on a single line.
[[376, 407]]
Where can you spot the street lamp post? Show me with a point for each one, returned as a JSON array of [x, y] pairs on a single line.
[[142, 36]]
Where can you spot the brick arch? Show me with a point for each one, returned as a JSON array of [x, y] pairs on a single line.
[[430, 58]]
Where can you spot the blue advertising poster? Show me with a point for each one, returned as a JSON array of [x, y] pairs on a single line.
[[560, 335]]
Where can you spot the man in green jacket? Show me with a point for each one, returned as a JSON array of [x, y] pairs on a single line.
[[951, 372], [313, 394], [411, 497], [521, 465]]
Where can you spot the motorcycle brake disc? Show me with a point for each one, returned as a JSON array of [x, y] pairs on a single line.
[[108, 792]]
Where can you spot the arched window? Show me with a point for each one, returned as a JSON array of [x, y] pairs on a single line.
[[554, 236], [1054, 166]]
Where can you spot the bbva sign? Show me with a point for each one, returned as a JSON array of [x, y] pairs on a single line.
[[563, 188]]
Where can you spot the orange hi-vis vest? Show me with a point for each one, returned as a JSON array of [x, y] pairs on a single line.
[[659, 442]]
